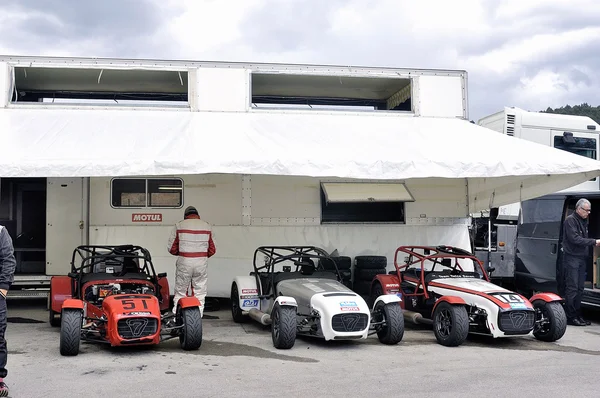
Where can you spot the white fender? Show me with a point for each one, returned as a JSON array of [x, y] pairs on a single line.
[[287, 301], [387, 299], [248, 292]]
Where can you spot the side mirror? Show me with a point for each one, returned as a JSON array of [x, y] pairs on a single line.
[[162, 275], [491, 269], [72, 275]]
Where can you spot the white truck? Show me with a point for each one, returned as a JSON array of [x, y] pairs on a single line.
[[538, 221], [354, 159]]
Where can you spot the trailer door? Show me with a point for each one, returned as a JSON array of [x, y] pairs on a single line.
[[65, 228], [583, 144], [538, 236]]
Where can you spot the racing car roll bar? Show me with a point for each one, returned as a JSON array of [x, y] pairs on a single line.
[[296, 254], [431, 253]]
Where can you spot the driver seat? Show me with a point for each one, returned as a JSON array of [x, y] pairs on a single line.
[[130, 265], [307, 266]]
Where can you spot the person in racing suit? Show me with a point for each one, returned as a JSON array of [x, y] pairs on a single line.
[[191, 240], [7, 271]]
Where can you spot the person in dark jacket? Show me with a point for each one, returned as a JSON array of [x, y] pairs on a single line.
[[7, 271], [576, 250]]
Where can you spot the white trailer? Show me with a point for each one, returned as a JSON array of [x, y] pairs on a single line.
[[257, 148], [497, 228]]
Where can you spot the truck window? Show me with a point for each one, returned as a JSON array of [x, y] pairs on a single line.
[[147, 192], [541, 218], [582, 146]]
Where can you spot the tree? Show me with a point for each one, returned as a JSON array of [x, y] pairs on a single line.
[[579, 110]]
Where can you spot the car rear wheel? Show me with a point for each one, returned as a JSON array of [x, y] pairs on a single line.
[[392, 330], [376, 291], [450, 324], [191, 332], [551, 321], [52, 315], [283, 326], [70, 331], [236, 311]]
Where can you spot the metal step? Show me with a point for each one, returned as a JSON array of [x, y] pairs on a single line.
[[32, 280], [26, 294]]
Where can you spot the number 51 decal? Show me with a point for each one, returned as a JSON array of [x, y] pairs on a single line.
[[131, 304]]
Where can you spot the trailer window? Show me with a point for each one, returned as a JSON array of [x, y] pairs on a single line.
[[582, 146], [147, 192], [165, 192], [364, 203]]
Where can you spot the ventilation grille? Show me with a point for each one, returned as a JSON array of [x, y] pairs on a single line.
[[510, 125]]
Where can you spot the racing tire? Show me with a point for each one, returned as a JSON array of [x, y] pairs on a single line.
[[52, 319], [283, 326], [450, 324], [393, 331], [361, 287], [376, 291], [342, 262], [368, 274], [191, 332], [236, 311], [370, 262], [557, 318], [71, 321]]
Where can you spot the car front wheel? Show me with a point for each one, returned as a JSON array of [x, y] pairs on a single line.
[[392, 331], [450, 324], [551, 321], [283, 326], [71, 321], [191, 331]]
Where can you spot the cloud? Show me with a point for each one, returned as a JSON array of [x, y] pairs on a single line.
[[123, 28], [526, 53]]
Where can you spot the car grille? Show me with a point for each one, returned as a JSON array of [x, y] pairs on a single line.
[[135, 328], [349, 322], [516, 322]]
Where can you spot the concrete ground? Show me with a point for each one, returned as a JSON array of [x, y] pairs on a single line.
[[240, 361]]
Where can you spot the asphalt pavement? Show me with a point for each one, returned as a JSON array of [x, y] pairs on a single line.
[[240, 361]]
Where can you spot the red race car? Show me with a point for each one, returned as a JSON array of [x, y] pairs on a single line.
[[114, 296], [449, 288]]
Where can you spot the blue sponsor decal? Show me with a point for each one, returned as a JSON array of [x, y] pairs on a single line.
[[348, 304], [249, 303], [518, 305]]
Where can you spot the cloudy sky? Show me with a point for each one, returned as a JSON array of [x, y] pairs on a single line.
[[526, 53]]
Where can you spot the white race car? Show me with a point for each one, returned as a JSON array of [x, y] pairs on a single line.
[[450, 289], [310, 299]]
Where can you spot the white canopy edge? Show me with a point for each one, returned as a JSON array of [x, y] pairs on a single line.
[[45, 142]]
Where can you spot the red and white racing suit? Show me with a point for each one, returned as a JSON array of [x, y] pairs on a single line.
[[191, 240]]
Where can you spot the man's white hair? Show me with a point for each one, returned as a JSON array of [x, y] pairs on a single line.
[[581, 202]]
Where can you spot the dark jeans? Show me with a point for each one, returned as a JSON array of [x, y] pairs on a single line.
[[574, 274]]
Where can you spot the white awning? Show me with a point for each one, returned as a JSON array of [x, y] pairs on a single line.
[[365, 192], [491, 169]]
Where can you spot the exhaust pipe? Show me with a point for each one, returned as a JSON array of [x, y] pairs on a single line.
[[415, 317], [260, 316]]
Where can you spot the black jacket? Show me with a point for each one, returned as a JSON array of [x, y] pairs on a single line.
[[575, 236], [7, 259]]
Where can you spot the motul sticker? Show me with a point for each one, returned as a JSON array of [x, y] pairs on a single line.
[[249, 291], [146, 217]]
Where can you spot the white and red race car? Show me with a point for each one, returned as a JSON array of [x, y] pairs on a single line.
[[450, 289]]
